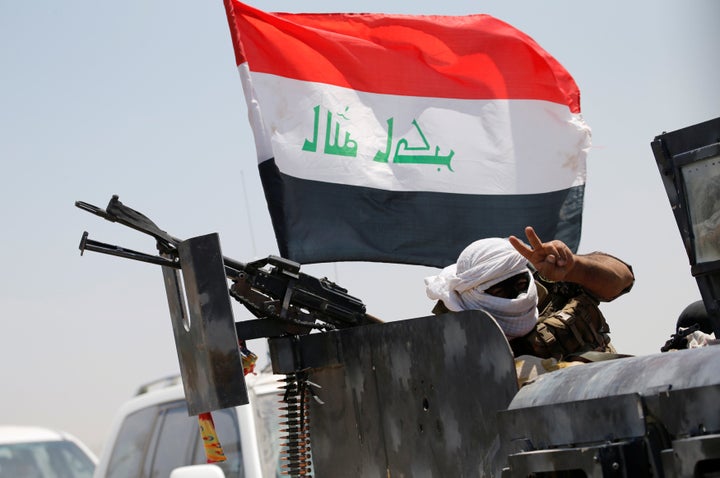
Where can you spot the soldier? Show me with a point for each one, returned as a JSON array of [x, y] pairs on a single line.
[[544, 297]]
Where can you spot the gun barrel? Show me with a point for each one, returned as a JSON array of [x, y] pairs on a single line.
[[232, 268], [87, 244], [275, 278]]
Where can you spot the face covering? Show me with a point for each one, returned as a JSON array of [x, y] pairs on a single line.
[[484, 263]]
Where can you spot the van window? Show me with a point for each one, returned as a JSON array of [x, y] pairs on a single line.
[[175, 440], [228, 434], [128, 454]]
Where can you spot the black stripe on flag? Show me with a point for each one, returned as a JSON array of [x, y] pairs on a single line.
[[326, 222]]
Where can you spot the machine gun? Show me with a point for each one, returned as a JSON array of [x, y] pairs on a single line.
[[678, 340], [209, 342], [271, 288]]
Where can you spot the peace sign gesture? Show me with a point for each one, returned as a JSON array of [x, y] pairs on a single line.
[[554, 260]]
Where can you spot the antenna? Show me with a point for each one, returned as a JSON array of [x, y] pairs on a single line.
[[249, 218]]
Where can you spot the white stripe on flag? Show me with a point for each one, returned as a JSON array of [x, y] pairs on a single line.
[[437, 144]]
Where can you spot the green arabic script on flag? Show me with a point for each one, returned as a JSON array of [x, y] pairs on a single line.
[[402, 153]]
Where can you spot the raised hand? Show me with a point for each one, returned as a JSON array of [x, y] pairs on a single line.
[[554, 259], [601, 274]]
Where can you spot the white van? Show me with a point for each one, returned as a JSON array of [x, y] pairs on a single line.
[[38, 452], [152, 434]]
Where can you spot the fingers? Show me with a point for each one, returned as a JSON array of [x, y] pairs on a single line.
[[554, 252], [520, 246], [558, 253], [526, 251], [533, 238], [564, 251]]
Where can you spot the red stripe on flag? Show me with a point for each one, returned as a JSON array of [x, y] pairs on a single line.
[[463, 57]]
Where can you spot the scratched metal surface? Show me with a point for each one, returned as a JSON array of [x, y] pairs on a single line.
[[645, 375], [411, 398], [612, 400], [578, 422], [204, 329]]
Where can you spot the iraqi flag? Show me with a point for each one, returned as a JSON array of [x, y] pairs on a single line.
[[398, 138]]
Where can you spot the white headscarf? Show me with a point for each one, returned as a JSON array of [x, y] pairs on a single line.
[[481, 265]]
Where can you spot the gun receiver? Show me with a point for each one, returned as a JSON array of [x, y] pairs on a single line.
[[270, 288]]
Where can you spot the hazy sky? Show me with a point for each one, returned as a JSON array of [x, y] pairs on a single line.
[[142, 99]]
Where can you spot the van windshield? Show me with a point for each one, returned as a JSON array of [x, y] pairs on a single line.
[[53, 459]]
